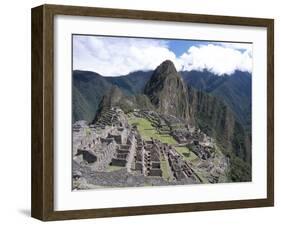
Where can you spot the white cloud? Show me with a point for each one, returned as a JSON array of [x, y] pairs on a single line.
[[118, 56], [219, 59]]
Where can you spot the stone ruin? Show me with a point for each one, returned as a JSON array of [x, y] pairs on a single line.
[[111, 141], [103, 143], [180, 168], [111, 117], [147, 158], [152, 159], [121, 155], [98, 156], [202, 150]]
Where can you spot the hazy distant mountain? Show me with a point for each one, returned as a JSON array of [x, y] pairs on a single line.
[[132, 83]]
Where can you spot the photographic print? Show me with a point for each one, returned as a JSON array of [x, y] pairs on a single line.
[[174, 111], [159, 112]]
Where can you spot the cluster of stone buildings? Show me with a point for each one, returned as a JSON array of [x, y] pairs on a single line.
[[149, 155], [188, 136], [147, 158], [202, 151], [111, 117], [107, 142], [195, 139], [111, 141], [180, 167]]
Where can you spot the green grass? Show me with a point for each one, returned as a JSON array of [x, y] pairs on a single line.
[[202, 177], [164, 167], [191, 158], [147, 131], [87, 132], [113, 168]]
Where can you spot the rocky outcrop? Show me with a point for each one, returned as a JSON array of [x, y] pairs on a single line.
[[167, 91]]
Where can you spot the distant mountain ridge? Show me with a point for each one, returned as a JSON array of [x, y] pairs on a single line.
[[234, 90]]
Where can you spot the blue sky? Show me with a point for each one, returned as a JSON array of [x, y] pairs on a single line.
[[179, 47], [115, 56]]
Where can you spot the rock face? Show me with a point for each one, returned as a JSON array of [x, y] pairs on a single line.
[[167, 91]]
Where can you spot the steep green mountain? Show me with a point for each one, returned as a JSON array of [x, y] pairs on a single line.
[[234, 90], [89, 88], [167, 91], [170, 95], [81, 108]]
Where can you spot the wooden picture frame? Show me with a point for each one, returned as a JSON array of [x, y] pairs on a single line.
[[43, 112]]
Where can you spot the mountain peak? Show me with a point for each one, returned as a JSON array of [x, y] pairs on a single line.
[[166, 90], [167, 67]]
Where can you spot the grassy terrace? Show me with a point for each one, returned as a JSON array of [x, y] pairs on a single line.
[[167, 173], [113, 168], [187, 154], [147, 131]]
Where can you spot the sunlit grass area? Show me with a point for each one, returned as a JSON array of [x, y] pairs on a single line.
[[113, 168], [147, 131], [165, 169], [187, 154]]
